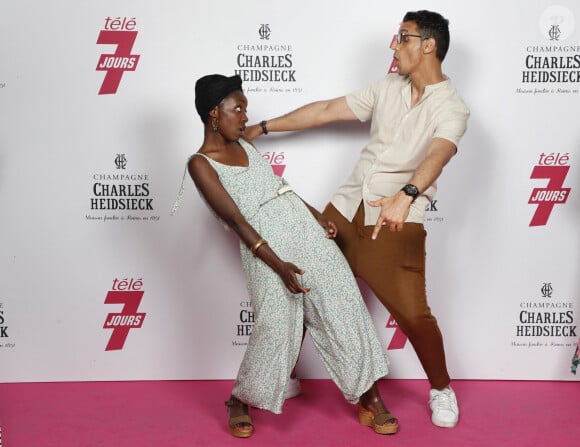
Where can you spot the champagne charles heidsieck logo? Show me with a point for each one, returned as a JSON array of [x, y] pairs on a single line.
[[244, 324], [432, 213], [266, 65], [552, 67], [119, 32], [121, 195], [4, 334], [546, 321]]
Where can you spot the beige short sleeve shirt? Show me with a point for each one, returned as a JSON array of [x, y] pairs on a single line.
[[400, 136]]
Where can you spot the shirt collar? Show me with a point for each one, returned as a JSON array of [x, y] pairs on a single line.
[[429, 89]]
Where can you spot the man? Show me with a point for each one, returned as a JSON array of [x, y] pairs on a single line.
[[417, 119]]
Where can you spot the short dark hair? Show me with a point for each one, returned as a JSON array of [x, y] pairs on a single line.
[[432, 24]]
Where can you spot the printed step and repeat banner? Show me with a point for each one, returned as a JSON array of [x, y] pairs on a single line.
[[98, 281]]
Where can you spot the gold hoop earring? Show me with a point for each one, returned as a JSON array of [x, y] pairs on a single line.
[[214, 124]]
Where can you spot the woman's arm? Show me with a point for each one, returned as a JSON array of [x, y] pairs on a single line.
[[209, 186]]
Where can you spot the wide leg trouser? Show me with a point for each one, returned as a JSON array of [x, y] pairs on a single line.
[[393, 266], [334, 313]]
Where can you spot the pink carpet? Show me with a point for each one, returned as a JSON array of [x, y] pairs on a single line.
[[192, 413]]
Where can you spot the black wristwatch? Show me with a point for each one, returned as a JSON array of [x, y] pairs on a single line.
[[411, 190]]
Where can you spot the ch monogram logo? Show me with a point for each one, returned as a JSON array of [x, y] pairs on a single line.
[[264, 32], [547, 290], [121, 161]]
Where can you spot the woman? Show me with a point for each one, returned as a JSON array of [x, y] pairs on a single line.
[[296, 275]]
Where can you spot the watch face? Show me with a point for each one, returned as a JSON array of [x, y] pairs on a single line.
[[411, 190]]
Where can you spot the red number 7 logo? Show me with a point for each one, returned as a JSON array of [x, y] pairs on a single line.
[[549, 196], [399, 338], [127, 319], [120, 61]]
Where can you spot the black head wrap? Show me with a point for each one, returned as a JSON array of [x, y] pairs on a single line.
[[211, 89]]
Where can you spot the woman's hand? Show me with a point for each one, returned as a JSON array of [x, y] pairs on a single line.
[[329, 226], [288, 272]]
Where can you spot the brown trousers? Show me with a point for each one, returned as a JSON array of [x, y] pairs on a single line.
[[393, 266]]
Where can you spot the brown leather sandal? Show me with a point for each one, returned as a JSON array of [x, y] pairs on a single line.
[[381, 423], [240, 426]]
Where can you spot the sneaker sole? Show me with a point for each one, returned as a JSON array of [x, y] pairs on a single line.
[[443, 424]]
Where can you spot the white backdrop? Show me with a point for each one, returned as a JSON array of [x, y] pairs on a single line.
[[72, 264]]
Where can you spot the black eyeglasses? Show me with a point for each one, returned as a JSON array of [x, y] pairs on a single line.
[[403, 37]]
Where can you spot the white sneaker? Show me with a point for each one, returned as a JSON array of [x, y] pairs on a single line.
[[443, 404], [293, 389]]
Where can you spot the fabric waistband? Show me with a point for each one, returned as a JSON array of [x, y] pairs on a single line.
[[283, 190]]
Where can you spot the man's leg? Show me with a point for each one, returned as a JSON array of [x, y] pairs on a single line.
[[393, 266]]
